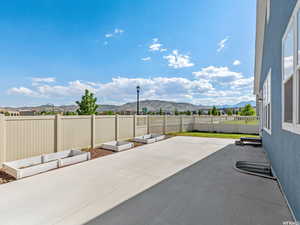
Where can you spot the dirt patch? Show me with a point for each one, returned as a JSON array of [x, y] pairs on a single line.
[[5, 178], [137, 144], [98, 152]]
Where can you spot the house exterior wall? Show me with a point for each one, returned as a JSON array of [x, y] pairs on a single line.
[[283, 147]]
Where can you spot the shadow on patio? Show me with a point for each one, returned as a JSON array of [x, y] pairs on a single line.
[[209, 192]]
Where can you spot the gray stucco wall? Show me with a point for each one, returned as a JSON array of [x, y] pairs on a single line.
[[283, 147]]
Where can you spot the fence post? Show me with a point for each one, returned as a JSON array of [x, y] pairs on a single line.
[[165, 124], [134, 125], [93, 131], [117, 127], [194, 122], [181, 124], [2, 139], [148, 124], [58, 134]]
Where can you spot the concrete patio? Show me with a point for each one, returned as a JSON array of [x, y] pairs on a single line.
[[131, 188], [209, 192]]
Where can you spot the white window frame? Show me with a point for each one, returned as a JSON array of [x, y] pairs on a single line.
[[293, 25], [267, 101]]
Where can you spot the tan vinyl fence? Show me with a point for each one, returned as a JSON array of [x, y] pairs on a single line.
[[22, 137], [227, 124]]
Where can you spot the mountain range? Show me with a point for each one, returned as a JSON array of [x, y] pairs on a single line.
[[150, 105]]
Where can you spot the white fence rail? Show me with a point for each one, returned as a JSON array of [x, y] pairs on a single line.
[[22, 137]]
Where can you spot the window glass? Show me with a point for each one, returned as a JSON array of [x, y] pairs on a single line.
[[288, 57], [288, 101], [269, 116], [267, 102], [298, 30], [298, 96]]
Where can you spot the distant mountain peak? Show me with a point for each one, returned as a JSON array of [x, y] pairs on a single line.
[[238, 105], [151, 105]]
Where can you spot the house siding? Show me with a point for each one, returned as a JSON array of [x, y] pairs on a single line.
[[283, 147]]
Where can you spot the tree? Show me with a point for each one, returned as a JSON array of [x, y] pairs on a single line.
[[109, 112], [248, 110], [200, 112], [229, 112], [214, 111], [188, 113], [176, 112], [144, 110], [68, 113], [160, 111], [87, 105]]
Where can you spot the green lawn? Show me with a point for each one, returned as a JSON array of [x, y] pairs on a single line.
[[212, 135], [250, 122]]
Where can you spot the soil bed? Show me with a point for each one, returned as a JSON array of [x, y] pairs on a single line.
[[5, 178], [98, 152], [95, 153]]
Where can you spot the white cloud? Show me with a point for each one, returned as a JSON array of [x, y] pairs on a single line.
[[177, 60], [23, 91], [210, 86], [221, 44], [168, 88], [72, 88], [236, 62], [146, 59], [155, 46], [38, 80], [221, 74], [116, 32], [242, 83], [109, 35], [122, 89]]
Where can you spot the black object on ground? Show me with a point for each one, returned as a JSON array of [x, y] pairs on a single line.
[[249, 141], [255, 168]]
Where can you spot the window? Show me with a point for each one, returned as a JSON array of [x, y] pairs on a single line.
[[298, 67], [291, 74], [267, 103], [288, 69], [298, 37], [288, 55], [268, 10], [288, 101], [298, 120]]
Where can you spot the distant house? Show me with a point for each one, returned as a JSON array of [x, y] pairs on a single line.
[[9, 112], [277, 87], [28, 112]]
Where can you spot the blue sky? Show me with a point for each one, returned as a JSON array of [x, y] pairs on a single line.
[[194, 51]]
